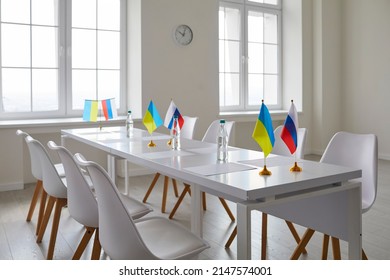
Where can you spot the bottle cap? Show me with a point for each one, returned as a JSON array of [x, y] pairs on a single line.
[[129, 112], [222, 121]]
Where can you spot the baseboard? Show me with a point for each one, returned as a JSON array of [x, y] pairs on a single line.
[[11, 187]]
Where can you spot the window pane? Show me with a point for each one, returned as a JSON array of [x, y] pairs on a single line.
[[17, 11], [271, 59], [270, 28], [255, 58], [271, 89], [108, 50], [231, 95], [232, 57], [271, 2], [83, 48], [255, 89], [221, 56], [255, 27], [83, 87], [44, 89], [108, 84], [232, 24], [44, 12], [16, 90], [109, 14], [84, 13], [44, 46], [15, 45]]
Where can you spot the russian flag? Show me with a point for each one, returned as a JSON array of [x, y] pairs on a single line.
[[90, 113], [289, 132], [171, 112], [109, 109]]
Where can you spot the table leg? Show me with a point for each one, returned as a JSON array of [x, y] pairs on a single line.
[[244, 227], [196, 213], [354, 224]]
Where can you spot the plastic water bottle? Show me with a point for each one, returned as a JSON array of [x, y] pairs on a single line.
[[129, 124], [222, 142], [175, 134]]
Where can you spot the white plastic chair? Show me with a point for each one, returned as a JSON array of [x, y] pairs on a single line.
[[357, 151], [36, 171], [211, 137], [279, 148], [56, 190], [147, 238], [187, 132], [82, 204]]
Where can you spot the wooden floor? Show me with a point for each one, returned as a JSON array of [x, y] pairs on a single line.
[[17, 237]]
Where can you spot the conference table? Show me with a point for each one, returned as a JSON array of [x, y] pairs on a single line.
[[324, 197]]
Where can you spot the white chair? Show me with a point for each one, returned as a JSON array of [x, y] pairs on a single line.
[[211, 137], [56, 190], [279, 148], [82, 204], [36, 171], [147, 238], [357, 151], [187, 132]]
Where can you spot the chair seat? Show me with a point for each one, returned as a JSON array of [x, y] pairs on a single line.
[[135, 207], [60, 169], [169, 240]]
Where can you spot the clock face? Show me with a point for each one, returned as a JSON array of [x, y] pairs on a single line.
[[183, 35]]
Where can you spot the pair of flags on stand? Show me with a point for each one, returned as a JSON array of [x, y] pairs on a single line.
[[91, 109], [152, 119], [263, 133]]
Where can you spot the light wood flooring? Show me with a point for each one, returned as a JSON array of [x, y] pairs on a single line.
[[17, 237]]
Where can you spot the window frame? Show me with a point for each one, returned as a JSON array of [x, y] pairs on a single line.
[[245, 6], [64, 44]]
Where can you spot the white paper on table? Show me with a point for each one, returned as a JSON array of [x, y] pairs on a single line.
[[166, 154], [219, 168], [157, 137], [270, 161]]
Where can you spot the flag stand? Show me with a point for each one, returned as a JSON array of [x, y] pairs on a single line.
[[265, 171], [296, 168], [151, 144]]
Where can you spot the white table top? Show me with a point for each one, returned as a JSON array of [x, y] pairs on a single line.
[[237, 180]]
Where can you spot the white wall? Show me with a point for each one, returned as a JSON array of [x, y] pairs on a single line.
[[366, 69]]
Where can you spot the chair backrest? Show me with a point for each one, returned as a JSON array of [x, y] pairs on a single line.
[[280, 147], [82, 204], [212, 131], [52, 182], [118, 234], [188, 128], [36, 168], [357, 151]]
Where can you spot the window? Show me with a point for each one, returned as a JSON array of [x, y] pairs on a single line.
[[54, 54], [249, 54]]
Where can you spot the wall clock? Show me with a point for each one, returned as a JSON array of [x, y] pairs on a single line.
[[183, 35]]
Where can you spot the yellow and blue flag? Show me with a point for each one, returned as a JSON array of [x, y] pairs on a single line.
[[263, 133], [152, 119], [90, 113]]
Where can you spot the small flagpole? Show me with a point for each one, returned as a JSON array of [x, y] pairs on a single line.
[[265, 171]]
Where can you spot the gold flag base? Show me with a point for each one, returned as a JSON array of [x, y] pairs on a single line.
[[151, 144], [169, 142], [296, 168], [265, 171]]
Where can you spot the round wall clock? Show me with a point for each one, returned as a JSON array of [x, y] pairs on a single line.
[[183, 35]]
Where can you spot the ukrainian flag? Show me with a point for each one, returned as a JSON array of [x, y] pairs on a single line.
[[152, 119], [90, 113], [263, 133]]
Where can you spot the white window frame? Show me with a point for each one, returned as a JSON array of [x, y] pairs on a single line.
[[65, 69], [245, 6]]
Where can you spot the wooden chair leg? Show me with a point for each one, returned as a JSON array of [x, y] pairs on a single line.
[[97, 248], [204, 201], [46, 217], [165, 193], [151, 187], [41, 212], [325, 246], [60, 202], [231, 238], [83, 243], [227, 209], [301, 246], [264, 229], [364, 256], [295, 234], [34, 200], [181, 197], [336, 248], [175, 190]]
